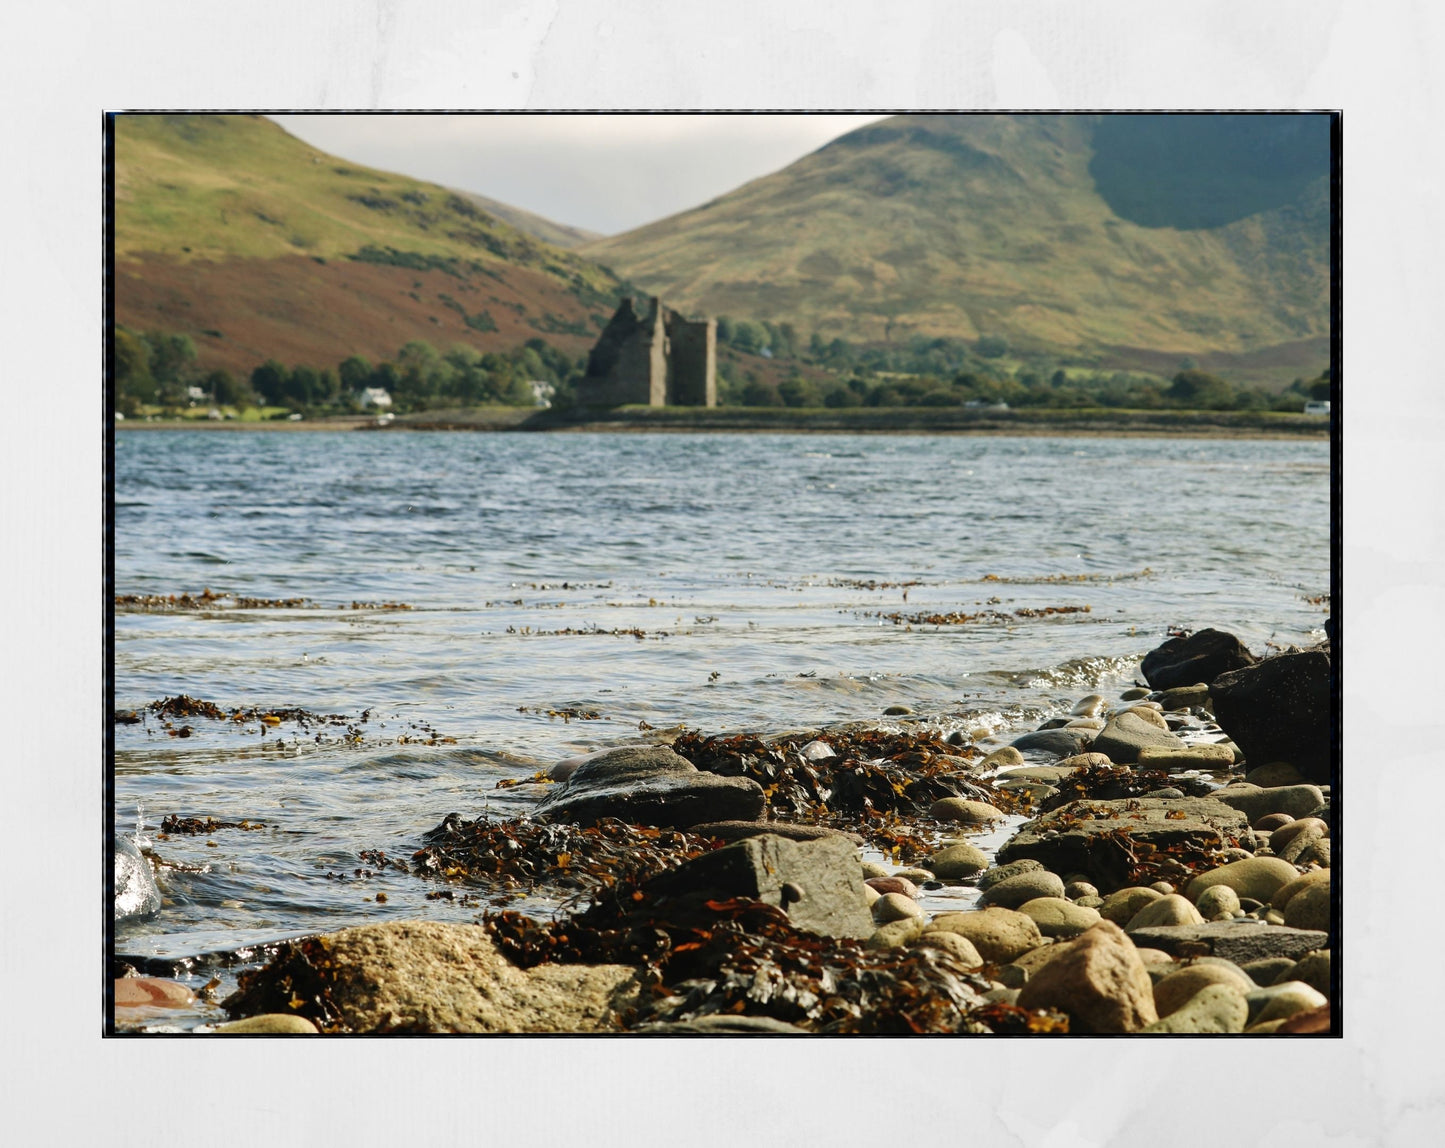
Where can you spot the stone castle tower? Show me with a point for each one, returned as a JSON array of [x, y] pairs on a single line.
[[656, 358]]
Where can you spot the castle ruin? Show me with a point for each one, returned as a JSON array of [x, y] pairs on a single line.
[[655, 358]]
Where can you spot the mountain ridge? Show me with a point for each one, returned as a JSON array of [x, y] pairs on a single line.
[[972, 225]]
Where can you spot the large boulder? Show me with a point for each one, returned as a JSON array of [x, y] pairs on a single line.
[[1201, 657], [1127, 734], [1098, 979], [1082, 836], [136, 894], [430, 976], [1281, 709], [650, 785], [819, 883], [1059, 742]]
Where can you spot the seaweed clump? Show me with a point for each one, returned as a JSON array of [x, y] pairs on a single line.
[[740, 957], [515, 856]]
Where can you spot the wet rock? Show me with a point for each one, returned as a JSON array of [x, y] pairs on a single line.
[[871, 895], [1091, 724], [895, 907], [817, 750], [1201, 657], [964, 811], [1184, 697], [1176, 760], [650, 785], [893, 884], [1080, 837], [1240, 941], [999, 873], [136, 894], [1176, 990], [1013, 891], [873, 869], [897, 711], [151, 992], [1098, 980], [1275, 773], [817, 883], [1059, 742], [999, 935], [1213, 1009], [1034, 790], [1254, 802], [1002, 758], [1127, 733], [1088, 760], [1281, 710], [917, 876], [1170, 909], [1258, 877], [272, 1023], [957, 860], [429, 976], [1090, 706], [1057, 917], [1149, 713]]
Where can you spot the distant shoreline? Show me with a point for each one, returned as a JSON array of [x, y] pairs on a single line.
[[733, 420]]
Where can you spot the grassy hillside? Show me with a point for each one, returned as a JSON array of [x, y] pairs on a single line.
[[255, 244], [977, 225], [557, 234]]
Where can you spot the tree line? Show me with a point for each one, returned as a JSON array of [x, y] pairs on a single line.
[[155, 369]]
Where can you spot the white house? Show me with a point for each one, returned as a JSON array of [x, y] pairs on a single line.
[[1318, 408], [373, 397]]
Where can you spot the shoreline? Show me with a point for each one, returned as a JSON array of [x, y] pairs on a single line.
[[725, 420]]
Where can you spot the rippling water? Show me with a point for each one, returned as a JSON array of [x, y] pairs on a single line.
[[722, 582]]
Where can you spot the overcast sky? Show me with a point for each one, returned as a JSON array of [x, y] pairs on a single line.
[[606, 173]]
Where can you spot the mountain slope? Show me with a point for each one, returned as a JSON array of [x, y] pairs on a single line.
[[257, 245], [976, 225], [558, 234]]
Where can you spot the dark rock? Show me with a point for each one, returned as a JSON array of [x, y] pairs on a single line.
[[136, 894], [1242, 942], [1059, 742], [737, 830], [650, 785], [817, 883], [1281, 709], [1201, 657], [1125, 734], [1065, 841]]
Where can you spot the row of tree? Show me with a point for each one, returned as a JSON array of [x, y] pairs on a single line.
[[1190, 389], [155, 369]]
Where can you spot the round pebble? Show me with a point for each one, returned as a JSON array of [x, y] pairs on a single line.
[[1272, 821], [1022, 887], [1002, 758], [959, 947], [1076, 889], [1217, 903], [965, 811], [894, 884], [1003, 872], [1090, 706], [151, 992], [917, 876], [1163, 888], [269, 1022], [1134, 693], [897, 711], [895, 907], [1057, 917], [957, 860]]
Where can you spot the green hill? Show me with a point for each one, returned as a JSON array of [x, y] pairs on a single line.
[[230, 230], [1135, 240]]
